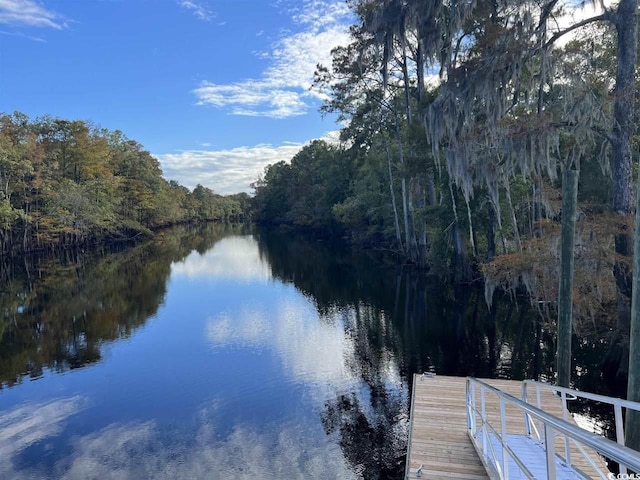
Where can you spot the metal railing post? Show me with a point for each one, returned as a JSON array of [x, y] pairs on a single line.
[[483, 419], [565, 416], [503, 439], [475, 403], [539, 405], [550, 446], [527, 426], [468, 404], [617, 409]]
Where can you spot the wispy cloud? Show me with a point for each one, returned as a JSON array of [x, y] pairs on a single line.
[[199, 9], [283, 90], [23, 35], [29, 13], [253, 98]]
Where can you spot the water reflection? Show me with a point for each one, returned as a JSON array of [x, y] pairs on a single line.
[[218, 353], [232, 258], [29, 424], [148, 450], [56, 312], [310, 351]]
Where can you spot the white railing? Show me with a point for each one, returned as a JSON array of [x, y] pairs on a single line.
[[568, 394], [550, 427]]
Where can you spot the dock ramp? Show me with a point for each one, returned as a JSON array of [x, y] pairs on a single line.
[[466, 428]]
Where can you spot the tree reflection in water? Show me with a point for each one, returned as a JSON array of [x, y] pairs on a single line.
[[56, 312], [404, 320]]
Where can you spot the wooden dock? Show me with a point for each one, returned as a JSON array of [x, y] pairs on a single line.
[[438, 438]]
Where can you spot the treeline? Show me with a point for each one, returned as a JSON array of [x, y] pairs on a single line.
[[464, 134], [71, 183]]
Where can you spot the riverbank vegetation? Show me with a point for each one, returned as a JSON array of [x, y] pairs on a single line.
[[70, 183], [484, 138]]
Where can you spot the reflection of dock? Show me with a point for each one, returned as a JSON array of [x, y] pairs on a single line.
[[441, 443]]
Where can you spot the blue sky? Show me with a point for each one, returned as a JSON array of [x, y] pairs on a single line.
[[215, 89]]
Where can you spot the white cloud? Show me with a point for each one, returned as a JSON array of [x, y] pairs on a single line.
[[228, 171], [284, 88], [252, 98], [22, 35], [29, 13], [319, 14], [199, 9], [224, 171]]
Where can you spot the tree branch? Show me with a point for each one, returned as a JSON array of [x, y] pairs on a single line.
[[608, 16], [603, 132], [546, 12]]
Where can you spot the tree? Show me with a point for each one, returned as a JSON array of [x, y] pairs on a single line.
[[69, 182]]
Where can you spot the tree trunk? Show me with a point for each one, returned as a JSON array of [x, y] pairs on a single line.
[[431, 187], [396, 222], [420, 68], [422, 229], [627, 29], [632, 423], [405, 75], [565, 291], [491, 233], [512, 214], [461, 264], [626, 22], [408, 230]]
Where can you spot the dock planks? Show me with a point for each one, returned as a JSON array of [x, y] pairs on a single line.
[[438, 438]]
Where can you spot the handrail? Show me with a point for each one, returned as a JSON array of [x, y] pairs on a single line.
[[617, 403], [618, 453], [506, 447], [587, 395]]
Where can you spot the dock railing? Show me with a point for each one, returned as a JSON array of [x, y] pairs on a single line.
[[550, 426], [569, 394]]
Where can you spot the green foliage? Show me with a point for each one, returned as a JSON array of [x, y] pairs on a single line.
[[500, 126], [303, 193], [68, 182]]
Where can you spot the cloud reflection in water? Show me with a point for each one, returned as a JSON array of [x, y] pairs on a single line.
[[312, 350], [232, 258], [138, 450]]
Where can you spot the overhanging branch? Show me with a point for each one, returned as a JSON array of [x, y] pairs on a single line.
[[607, 16]]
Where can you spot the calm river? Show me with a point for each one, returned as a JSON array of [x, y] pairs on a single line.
[[224, 353]]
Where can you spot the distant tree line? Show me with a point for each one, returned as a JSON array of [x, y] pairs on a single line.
[[68, 183]]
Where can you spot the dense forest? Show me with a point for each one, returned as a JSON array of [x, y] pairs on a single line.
[[490, 140], [480, 193], [68, 183]]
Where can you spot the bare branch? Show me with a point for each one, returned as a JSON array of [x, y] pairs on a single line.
[[546, 12], [607, 16]]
